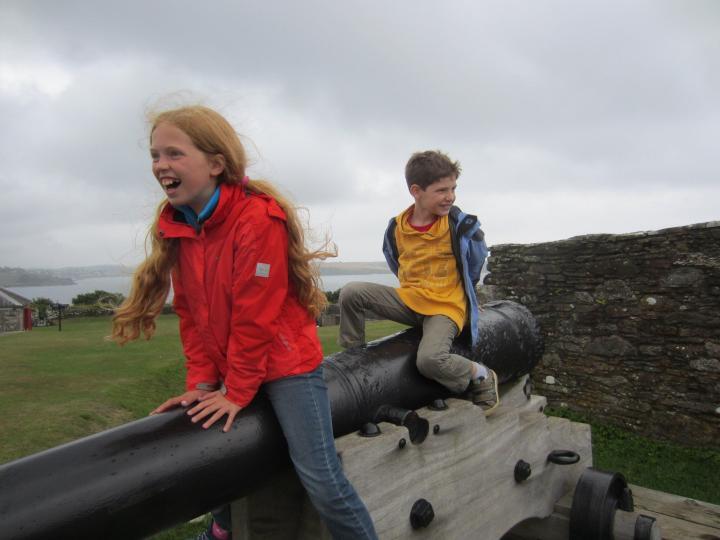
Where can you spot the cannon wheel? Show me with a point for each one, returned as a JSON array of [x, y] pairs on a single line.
[[598, 495]]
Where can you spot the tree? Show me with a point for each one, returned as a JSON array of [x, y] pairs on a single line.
[[332, 296], [41, 304]]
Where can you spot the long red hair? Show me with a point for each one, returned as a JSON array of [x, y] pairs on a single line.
[[213, 134]]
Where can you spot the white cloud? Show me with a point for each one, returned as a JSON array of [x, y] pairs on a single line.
[[19, 81], [526, 217]]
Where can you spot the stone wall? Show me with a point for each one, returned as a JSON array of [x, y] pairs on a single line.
[[11, 319], [632, 326]]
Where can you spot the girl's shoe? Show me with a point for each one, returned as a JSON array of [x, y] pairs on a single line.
[[214, 532]]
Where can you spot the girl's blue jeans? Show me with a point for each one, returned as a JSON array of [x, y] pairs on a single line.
[[302, 408]]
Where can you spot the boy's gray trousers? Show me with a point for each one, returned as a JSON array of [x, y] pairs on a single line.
[[434, 360]]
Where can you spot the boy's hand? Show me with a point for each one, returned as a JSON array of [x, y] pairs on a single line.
[[182, 400], [217, 405]]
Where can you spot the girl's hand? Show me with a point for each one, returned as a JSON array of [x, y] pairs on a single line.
[[217, 405], [183, 400]]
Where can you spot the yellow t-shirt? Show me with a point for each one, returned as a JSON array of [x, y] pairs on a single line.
[[430, 283]]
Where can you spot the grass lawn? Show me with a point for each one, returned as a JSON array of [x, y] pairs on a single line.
[[691, 472], [59, 386]]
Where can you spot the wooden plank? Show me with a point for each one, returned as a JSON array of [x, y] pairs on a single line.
[[678, 529], [676, 506], [279, 510]]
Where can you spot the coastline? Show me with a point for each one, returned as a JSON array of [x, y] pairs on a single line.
[[70, 276]]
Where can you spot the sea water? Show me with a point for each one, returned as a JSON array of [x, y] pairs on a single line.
[[121, 284]]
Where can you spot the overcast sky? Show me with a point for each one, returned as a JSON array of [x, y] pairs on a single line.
[[568, 117]]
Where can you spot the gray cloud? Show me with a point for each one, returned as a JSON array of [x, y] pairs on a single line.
[[602, 115]]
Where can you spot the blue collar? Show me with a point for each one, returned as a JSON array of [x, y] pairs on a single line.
[[196, 220]]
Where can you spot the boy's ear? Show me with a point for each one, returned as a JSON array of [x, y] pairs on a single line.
[[416, 190]]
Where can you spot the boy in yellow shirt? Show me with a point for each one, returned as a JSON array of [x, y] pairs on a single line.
[[437, 252]]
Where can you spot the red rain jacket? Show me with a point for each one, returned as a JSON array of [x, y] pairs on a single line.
[[240, 320]]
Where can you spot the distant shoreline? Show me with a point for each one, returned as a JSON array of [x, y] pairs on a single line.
[[38, 283], [46, 277], [343, 269], [64, 294]]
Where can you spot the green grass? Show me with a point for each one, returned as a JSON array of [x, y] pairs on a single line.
[[59, 386], [373, 330], [690, 472]]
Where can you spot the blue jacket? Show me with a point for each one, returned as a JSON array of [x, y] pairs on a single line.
[[469, 248]]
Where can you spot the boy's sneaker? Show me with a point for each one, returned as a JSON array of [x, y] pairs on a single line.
[[484, 392], [214, 532]]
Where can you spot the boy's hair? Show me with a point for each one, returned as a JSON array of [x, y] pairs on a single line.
[[213, 134], [425, 168]]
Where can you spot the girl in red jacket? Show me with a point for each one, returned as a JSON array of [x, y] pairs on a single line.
[[247, 298]]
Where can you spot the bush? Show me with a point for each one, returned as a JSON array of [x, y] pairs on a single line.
[[98, 297], [41, 304], [87, 311], [332, 296]]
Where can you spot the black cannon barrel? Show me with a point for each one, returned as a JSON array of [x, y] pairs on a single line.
[[145, 476]]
